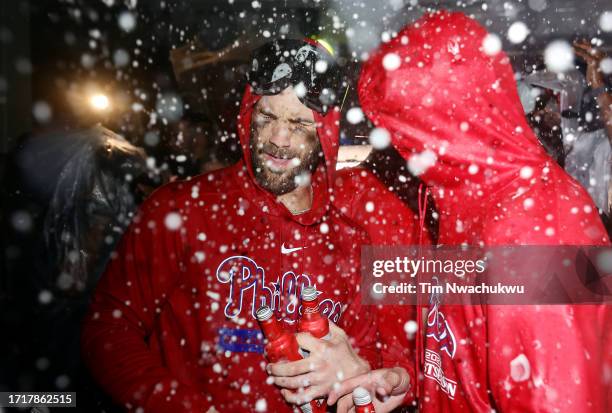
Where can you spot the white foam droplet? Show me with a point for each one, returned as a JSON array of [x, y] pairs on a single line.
[[321, 66], [303, 179], [45, 297], [518, 32], [200, 256], [354, 115], [300, 90], [526, 172], [42, 112], [606, 65], [459, 228], [261, 405], [21, 221], [428, 100], [324, 228], [419, 163], [173, 221], [537, 5], [604, 261], [520, 369], [379, 138], [127, 21], [491, 44], [410, 327], [121, 58], [559, 56], [605, 21], [369, 207], [391, 61]]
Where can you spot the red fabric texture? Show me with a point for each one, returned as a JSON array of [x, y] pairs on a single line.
[[493, 184], [388, 222], [171, 327]]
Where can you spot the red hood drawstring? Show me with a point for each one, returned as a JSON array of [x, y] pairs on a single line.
[[422, 200], [422, 211]]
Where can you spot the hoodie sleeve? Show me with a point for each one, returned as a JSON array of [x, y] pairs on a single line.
[[141, 274], [358, 320], [399, 342], [387, 221], [359, 323], [380, 213], [547, 357]]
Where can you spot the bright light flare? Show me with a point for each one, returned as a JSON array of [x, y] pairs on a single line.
[[99, 102]]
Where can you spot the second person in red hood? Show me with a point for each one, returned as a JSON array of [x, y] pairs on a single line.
[[450, 103]]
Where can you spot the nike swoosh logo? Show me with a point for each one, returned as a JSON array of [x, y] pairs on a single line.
[[289, 250]]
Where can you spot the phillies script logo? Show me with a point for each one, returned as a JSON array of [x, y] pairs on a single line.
[[439, 330], [249, 290]]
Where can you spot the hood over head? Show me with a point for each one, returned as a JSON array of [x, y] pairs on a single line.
[[447, 94], [322, 179]]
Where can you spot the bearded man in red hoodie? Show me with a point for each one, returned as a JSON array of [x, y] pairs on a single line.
[[449, 100], [172, 324]]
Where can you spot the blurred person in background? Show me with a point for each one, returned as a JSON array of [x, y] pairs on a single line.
[[546, 123], [210, 83], [70, 195], [572, 115]]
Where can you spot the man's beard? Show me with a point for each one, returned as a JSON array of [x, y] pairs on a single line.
[[284, 182]]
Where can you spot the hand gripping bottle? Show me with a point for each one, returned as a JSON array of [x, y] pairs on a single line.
[[362, 401], [281, 345], [312, 321]]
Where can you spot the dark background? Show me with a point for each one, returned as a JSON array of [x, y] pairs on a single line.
[[54, 54]]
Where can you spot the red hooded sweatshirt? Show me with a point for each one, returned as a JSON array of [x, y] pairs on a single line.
[[445, 93], [171, 327]]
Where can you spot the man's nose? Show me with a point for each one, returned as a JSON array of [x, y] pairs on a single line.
[[280, 135]]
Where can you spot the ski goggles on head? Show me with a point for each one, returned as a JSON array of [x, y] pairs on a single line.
[[309, 68]]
